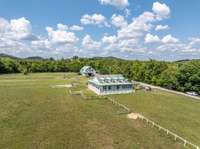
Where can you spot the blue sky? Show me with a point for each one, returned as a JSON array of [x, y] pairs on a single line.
[[131, 29]]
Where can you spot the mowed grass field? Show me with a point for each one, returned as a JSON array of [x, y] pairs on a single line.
[[178, 113], [35, 115]]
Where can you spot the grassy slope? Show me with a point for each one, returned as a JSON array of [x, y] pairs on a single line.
[[34, 115], [177, 113]]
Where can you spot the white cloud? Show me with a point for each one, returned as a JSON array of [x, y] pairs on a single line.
[[109, 44], [109, 39], [43, 44], [118, 21], [194, 41], [15, 47], [138, 26], [176, 50], [161, 10], [4, 26], [15, 35], [8, 43], [149, 38], [117, 3], [20, 28], [62, 27], [173, 47], [129, 36], [16, 38], [161, 27], [128, 41], [193, 45], [89, 43], [169, 39], [95, 19], [130, 45], [61, 36], [76, 28], [16, 29]]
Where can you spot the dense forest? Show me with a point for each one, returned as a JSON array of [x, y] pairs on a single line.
[[181, 75]]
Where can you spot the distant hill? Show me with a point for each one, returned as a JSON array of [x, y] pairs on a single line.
[[2, 55], [35, 58], [107, 58], [186, 60]]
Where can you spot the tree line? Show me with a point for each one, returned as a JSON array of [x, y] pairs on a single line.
[[181, 76]]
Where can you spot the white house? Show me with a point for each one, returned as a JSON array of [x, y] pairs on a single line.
[[87, 71], [110, 84]]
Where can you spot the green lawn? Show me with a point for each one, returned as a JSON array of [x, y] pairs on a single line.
[[34, 115], [177, 113]]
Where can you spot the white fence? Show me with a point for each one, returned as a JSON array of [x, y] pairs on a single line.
[[176, 137], [119, 104]]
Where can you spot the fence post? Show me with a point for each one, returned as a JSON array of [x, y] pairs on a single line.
[[185, 142], [175, 138]]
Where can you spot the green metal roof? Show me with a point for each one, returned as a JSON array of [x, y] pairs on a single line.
[[110, 80]]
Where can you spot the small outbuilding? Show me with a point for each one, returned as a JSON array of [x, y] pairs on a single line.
[[87, 71], [110, 84]]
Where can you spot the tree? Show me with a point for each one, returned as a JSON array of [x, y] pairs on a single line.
[[168, 78], [182, 76], [2, 67], [188, 76]]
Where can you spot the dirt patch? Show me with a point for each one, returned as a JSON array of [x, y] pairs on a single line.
[[133, 116], [62, 86]]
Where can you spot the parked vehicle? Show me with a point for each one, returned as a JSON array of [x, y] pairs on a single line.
[[192, 93]]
